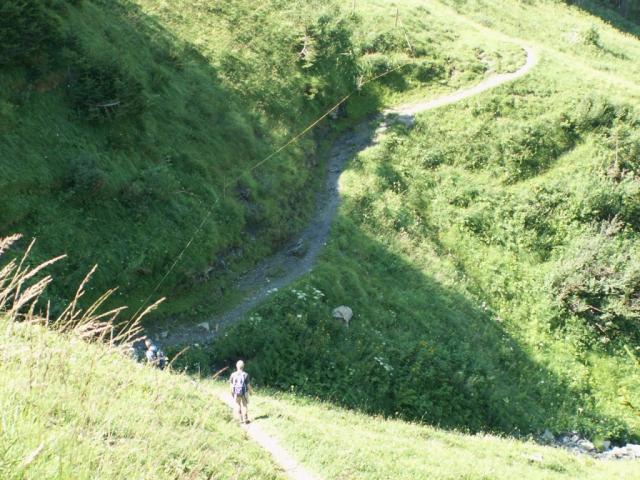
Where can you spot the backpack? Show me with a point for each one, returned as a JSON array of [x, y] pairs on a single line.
[[156, 357], [239, 383], [161, 359]]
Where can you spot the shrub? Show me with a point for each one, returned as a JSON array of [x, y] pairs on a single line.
[[99, 88], [85, 177], [384, 42], [599, 283], [591, 36], [531, 147], [428, 70], [27, 31]]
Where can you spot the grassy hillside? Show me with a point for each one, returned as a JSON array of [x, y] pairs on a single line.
[[489, 254], [122, 125], [127, 123], [342, 444], [74, 410], [77, 410]]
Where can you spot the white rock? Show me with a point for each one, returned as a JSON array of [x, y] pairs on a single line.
[[606, 444], [343, 312], [204, 325], [536, 457], [633, 450], [164, 334], [586, 445], [618, 452]]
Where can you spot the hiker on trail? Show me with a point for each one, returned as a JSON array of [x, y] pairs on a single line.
[[240, 388], [154, 355]]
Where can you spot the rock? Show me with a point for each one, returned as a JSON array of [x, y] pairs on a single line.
[[633, 450], [535, 458], [299, 249], [617, 452], [606, 445], [344, 313], [547, 437], [586, 445], [204, 325], [164, 334]]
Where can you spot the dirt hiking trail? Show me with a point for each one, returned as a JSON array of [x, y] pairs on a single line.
[[290, 465], [299, 256]]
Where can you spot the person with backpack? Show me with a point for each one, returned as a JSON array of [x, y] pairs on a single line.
[[240, 388], [154, 355]]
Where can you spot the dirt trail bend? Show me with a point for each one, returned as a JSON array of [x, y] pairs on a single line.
[[298, 257]]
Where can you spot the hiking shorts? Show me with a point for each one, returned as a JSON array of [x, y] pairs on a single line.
[[242, 400]]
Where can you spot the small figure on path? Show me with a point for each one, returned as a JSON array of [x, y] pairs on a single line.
[[240, 388], [154, 355]]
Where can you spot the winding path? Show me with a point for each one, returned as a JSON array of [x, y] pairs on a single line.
[[298, 258]]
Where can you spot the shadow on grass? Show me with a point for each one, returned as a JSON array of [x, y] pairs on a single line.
[[415, 349], [610, 14], [158, 174]]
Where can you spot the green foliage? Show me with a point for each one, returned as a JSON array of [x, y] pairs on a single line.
[[591, 37], [599, 282], [136, 421], [99, 88], [471, 249], [28, 31], [86, 178]]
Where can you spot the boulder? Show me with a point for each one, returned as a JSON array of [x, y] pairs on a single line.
[[633, 450], [344, 313], [205, 325], [547, 437], [586, 445]]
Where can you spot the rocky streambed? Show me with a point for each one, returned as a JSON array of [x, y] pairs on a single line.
[[573, 442]]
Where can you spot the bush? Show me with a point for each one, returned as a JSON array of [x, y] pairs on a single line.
[[591, 37], [385, 42], [28, 32], [85, 177], [529, 148], [599, 283], [99, 88], [428, 70]]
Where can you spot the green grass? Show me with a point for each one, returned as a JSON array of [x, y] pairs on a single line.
[[206, 106], [202, 93], [489, 254], [343, 444], [74, 410]]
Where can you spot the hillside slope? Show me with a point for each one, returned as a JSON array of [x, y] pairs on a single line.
[[122, 121], [130, 127], [75, 410], [342, 444], [489, 253]]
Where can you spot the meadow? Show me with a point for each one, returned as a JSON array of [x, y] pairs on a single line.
[[131, 129], [489, 254]]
